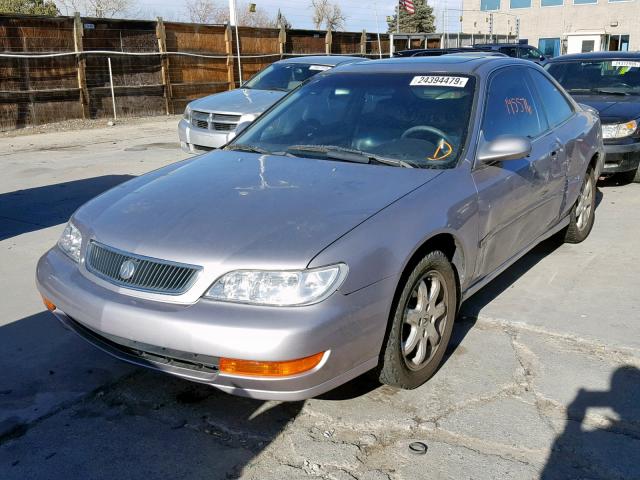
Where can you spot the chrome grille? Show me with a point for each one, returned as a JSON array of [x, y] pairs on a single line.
[[150, 274], [221, 122]]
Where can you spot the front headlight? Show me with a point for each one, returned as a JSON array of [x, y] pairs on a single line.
[[71, 241], [187, 113], [619, 130], [278, 288]]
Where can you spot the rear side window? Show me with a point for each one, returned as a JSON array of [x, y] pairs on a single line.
[[556, 106], [511, 51], [511, 107]]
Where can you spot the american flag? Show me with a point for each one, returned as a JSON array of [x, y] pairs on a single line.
[[408, 6]]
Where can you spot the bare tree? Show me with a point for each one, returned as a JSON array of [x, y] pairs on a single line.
[[203, 11], [328, 14], [96, 8]]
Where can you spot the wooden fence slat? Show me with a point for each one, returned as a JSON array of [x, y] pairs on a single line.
[[161, 35], [81, 64]]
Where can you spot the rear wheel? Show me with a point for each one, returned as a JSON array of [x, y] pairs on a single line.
[[421, 324], [582, 214]]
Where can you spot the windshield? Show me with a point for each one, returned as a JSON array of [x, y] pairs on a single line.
[[393, 118], [597, 77], [284, 76]]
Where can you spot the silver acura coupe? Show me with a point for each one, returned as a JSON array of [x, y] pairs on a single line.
[[338, 233], [207, 122]]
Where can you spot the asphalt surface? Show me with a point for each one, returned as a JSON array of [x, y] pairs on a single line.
[[542, 379]]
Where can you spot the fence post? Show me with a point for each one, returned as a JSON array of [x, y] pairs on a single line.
[[81, 65], [363, 43], [161, 35], [282, 41], [228, 43], [327, 42]]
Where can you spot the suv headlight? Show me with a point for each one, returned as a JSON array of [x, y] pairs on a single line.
[[278, 288], [70, 242], [619, 130], [187, 113]]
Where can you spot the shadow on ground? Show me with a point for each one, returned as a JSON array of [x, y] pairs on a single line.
[[31, 209], [610, 451], [68, 410]]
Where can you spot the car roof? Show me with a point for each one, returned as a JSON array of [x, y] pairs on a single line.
[[596, 56], [480, 45], [329, 60], [443, 64]]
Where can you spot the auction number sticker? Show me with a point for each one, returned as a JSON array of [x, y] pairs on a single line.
[[439, 81], [625, 63], [320, 68]]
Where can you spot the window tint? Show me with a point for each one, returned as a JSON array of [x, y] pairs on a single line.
[[511, 107], [556, 106], [511, 51]]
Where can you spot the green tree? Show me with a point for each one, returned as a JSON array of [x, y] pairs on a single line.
[[422, 21], [29, 7]]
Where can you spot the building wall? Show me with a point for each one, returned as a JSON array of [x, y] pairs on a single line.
[[613, 18]]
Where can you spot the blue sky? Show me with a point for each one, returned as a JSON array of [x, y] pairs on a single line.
[[360, 14]]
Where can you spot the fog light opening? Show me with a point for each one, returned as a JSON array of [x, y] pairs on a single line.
[[49, 304], [254, 368]]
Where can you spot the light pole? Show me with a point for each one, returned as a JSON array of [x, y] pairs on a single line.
[[233, 21]]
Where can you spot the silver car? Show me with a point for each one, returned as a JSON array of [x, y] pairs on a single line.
[[337, 234], [207, 122]]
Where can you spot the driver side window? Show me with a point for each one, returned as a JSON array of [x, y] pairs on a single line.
[[511, 107]]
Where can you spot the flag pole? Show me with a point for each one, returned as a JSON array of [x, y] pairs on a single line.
[[233, 20], [375, 6]]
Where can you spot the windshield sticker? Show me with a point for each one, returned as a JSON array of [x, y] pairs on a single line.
[[439, 81], [625, 63], [517, 105], [320, 68]]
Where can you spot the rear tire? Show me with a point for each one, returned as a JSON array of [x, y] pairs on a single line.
[[632, 176], [421, 323], [582, 214]]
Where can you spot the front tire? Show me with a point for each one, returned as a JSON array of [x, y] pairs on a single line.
[[582, 214], [421, 323]]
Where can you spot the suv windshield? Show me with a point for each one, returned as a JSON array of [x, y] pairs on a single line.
[[397, 119], [284, 76], [598, 77]]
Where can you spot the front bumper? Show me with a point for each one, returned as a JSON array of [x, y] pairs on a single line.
[[197, 140], [621, 158], [188, 340]]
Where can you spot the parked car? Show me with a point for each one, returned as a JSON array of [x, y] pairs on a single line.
[[207, 122], [515, 50], [431, 52], [610, 83], [337, 234]]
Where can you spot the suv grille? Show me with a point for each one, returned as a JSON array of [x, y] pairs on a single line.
[[148, 274], [221, 122]]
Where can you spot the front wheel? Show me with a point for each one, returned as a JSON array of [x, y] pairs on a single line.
[[420, 324], [582, 214]]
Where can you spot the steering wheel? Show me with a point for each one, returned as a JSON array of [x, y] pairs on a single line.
[[428, 129]]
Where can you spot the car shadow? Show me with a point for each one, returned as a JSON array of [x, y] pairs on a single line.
[[35, 208], [67, 407], [609, 450]]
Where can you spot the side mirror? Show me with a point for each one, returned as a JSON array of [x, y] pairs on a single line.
[[239, 129], [542, 58], [507, 147]]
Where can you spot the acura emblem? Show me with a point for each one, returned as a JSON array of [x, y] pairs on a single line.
[[127, 269]]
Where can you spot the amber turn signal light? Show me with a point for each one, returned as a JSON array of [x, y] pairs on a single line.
[[49, 304], [255, 368]]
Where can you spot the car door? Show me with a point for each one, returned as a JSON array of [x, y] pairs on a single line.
[[513, 196], [560, 113]]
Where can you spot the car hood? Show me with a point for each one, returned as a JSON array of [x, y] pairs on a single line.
[[240, 100], [243, 210], [612, 108]]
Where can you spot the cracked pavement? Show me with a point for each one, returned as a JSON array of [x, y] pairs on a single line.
[[542, 379]]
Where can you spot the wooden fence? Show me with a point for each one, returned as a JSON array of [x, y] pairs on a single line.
[[57, 68]]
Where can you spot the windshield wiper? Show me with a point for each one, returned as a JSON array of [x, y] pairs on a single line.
[[243, 147], [598, 90], [348, 155]]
